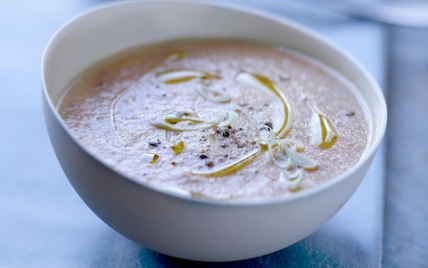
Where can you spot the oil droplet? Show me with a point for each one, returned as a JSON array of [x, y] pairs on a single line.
[[175, 140], [179, 147], [180, 76]]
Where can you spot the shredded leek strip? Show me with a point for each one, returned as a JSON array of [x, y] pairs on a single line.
[[297, 144], [292, 184], [212, 94], [288, 155], [231, 167], [186, 112], [283, 162], [179, 76], [265, 136], [190, 126], [264, 84], [190, 121], [301, 160], [225, 117]]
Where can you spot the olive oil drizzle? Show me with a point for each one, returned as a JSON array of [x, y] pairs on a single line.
[[328, 133], [286, 124], [253, 80], [295, 160], [325, 135], [256, 144], [293, 156], [231, 167], [273, 88]]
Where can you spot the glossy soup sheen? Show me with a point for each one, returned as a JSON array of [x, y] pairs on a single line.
[[219, 119]]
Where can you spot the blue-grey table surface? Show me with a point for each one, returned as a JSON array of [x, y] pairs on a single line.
[[43, 222]]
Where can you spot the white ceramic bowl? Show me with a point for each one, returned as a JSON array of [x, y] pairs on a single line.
[[165, 222]]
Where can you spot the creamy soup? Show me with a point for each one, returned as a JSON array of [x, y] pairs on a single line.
[[219, 119]]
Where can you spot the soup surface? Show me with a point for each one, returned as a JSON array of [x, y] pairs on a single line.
[[219, 119]]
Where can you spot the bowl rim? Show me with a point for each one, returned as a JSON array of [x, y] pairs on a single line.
[[367, 154]]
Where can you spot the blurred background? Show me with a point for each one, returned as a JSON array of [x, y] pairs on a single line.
[[43, 222]]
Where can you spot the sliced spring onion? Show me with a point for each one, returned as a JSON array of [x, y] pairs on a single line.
[[212, 94]]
